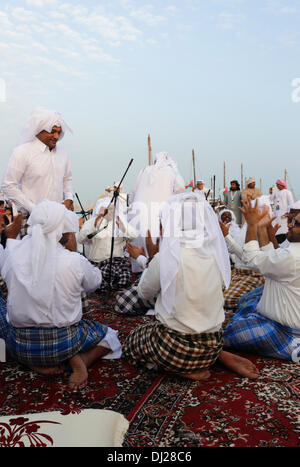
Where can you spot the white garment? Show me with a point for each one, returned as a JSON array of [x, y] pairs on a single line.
[[282, 200], [42, 120], [236, 251], [154, 186], [73, 275], [35, 173], [281, 267], [189, 221], [198, 304], [2, 256], [100, 244]]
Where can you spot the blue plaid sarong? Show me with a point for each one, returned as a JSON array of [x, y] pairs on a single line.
[[252, 332], [48, 347], [3, 322]]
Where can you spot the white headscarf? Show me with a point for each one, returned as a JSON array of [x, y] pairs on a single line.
[[41, 119], [162, 160], [189, 221], [71, 222], [234, 229], [295, 205], [33, 260]]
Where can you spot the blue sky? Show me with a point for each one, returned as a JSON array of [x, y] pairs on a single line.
[[216, 76]]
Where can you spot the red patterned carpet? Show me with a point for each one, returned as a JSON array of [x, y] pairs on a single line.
[[226, 410]]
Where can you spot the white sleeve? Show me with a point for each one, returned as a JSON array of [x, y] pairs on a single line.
[[142, 261], [68, 184], [149, 285], [233, 247], [13, 177], [275, 264], [92, 276], [179, 185]]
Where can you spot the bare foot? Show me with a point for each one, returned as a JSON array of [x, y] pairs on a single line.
[[239, 365], [93, 355], [55, 370], [79, 376], [197, 376]]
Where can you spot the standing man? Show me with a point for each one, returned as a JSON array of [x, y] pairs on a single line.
[[154, 186], [250, 190], [233, 200], [37, 169], [282, 199]]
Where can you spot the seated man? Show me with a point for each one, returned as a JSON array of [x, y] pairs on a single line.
[[243, 279], [44, 321], [268, 321], [128, 301], [186, 276], [99, 250]]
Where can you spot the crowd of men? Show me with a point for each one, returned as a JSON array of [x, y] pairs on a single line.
[[189, 262]]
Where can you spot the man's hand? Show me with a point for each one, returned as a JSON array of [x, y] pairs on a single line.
[[225, 228], [151, 247], [251, 213], [120, 224], [135, 251], [13, 229], [69, 204]]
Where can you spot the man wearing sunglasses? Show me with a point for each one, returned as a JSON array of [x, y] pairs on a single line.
[[267, 321]]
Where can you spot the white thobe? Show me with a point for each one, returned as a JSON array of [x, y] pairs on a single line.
[[100, 244], [74, 275], [281, 267], [198, 304], [282, 199], [35, 173], [151, 190]]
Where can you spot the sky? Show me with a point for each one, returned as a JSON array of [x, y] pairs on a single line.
[[220, 77]]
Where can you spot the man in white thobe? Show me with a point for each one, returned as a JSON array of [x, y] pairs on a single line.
[[282, 199], [155, 185], [37, 169]]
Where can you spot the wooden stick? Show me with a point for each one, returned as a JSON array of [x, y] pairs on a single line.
[[149, 150], [194, 168], [242, 177]]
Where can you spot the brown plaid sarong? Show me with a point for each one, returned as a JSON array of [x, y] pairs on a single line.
[[242, 282], [172, 351]]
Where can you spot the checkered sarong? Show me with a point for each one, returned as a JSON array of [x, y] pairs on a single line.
[[129, 303], [120, 273], [242, 282], [172, 351], [48, 347], [3, 288], [250, 331]]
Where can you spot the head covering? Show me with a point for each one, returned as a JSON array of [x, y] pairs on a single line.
[[199, 181], [33, 260], [188, 221], [250, 180], [295, 205], [71, 222], [281, 182], [162, 160], [41, 119], [234, 229]]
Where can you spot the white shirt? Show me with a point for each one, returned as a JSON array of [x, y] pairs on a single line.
[[198, 305], [2, 256], [74, 275], [100, 244], [236, 252], [281, 267], [282, 199], [35, 173], [151, 190]]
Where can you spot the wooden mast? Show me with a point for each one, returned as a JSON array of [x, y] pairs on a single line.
[[194, 167], [149, 151], [224, 175], [242, 177]]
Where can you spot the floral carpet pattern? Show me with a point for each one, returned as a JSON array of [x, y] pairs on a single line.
[[164, 411]]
